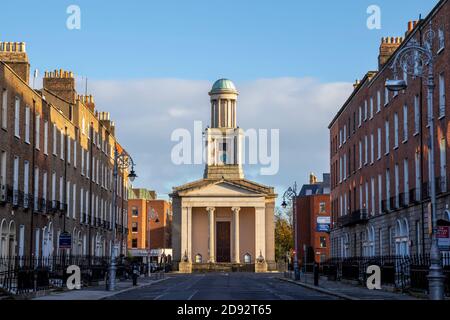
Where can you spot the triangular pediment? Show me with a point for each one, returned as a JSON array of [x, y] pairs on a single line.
[[221, 188]]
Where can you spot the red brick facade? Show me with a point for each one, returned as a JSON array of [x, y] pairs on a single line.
[[141, 225], [55, 165], [379, 154], [308, 209]]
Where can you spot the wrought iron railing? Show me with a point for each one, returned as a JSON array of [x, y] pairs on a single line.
[[402, 272], [358, 216], [24, 274]]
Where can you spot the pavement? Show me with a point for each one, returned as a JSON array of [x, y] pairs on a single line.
[[223, 286], [345, 290], [99, 292]]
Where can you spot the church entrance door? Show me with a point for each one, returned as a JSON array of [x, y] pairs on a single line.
[[223, 241]]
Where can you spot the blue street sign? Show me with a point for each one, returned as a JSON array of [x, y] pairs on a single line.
[[65, 240], [323, 227]]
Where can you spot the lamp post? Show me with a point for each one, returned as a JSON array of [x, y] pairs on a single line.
[[412, 59], [122, 161], [291, 194], [152, 215]]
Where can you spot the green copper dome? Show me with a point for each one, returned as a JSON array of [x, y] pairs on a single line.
[[223, 85]]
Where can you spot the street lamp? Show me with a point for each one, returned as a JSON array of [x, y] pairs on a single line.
[[411, 59], [152, 215], [123, 161], [291, 194]]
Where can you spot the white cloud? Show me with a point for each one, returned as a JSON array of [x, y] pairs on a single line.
[[146, 111]]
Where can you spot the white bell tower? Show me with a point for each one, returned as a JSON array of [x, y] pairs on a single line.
[[223, 138]]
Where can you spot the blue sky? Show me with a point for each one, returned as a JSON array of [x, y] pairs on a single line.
[[151, 64], [206, 39]]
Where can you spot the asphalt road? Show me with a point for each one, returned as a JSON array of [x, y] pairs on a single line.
[[223, 286]]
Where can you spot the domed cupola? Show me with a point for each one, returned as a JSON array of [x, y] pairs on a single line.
[[223, 104], [223, 86]]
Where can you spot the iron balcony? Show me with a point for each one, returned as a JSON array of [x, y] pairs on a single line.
[[356, 217]]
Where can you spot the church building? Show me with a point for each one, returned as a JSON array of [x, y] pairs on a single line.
[[223, 221]]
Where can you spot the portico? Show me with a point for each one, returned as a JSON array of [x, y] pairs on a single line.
[[221, 222]]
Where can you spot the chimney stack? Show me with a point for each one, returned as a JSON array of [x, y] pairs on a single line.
[[15, 56], [61, 83], [105, 119], [411, 26], [312, 178], [88, 101], [387, 48]]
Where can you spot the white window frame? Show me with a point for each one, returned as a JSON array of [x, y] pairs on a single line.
[[372, 147], [395, 130], [16, 174], [55, 138], [416, 115], [27, 124], [405, 123], [37, 133], [417, 174], [360, 154], [379, 138], [62, 144], [26, 177], [4, 109], [406, 180], [366, 150], [386, 96], [371, 108], [386, 127], [17, 117], [441, 40], [380, 192], [378, 101], [441, 95], [46, 137]]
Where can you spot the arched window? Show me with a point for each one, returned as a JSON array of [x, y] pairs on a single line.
[[402, 237], [3, 237], [345, 245], [247, 258], [198, 258], [12, 239], [369, 242]]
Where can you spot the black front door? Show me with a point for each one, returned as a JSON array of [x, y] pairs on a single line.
[[223, 241]]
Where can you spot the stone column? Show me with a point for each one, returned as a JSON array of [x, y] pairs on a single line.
[[184, 233], [189, 233], [260, 239], [211, 236], [236, 234], [185, 266], [219, 110]]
